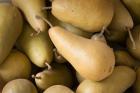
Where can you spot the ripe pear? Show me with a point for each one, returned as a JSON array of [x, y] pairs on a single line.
[[89, 15], [16, 65], [19, 86], [79, 77], [10, 28], [134, 51], [31, 9], [116, 83], [94, 60], [68, 27], [136, 86], [58, 89], [134, 7], [38, 48], [59, 74], [121, 20], [124, 58]]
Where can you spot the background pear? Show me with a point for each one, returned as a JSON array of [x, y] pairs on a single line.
[[94, 60], [68, 27], [134, 7], [38, 48], [31, 10], [19, 86], [58, 89], [89, 15], [121, 20], [10, 28], [59, 74], [134, 51], [16, 65], [113, 84], [136, 86]]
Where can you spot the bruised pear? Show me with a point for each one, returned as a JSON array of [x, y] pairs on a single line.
[[136, 86], [19, 86], [10, 28], [94, 60], [119, 24], [59, 74], [31, 9], [58, 89], [16, 65], [134, 7], [68, 27], [89, 15], [124, 58], [38, 48], [116, 83], [136, 35]]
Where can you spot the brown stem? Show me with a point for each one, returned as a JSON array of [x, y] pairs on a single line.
[[47, 8], [45, 20], [36, 77], [131, 38], [49, 67]]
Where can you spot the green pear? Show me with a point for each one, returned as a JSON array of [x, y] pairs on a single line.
[[134, 51], [10, 28], [120, 80], [31, 9], [19, 86], [124, 58], [68, 27], [59, 74], [134, 7], [94, 60], [136, 86], [38, 48], [119, 24], [58, 89], [16, 65], [89, 15]]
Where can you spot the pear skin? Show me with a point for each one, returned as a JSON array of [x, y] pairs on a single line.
[[38, 48], [16, 65], [19, 86], [91, 15], [59, 74], [115, 83], [94, 60], [58, 89], [10, 28], [31, 9]]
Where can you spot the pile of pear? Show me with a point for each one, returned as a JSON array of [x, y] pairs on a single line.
[[69, 46]]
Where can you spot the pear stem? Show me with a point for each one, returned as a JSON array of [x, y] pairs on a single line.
[[49, 67], [47, 8], [131, 38], [35, 33], [36, 77], [102, 32], [45, 20]]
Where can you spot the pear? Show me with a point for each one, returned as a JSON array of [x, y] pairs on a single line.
[[38, 48], [56, 22], [31, 9], [59, 74], [134, 7], [79, 77], [89, 15], [94, 60], [10, 28], [124, 58], [134, 51], [120, 22], [19, 86], [16, 65], [58, 89], [136, 86], [116, 83]]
